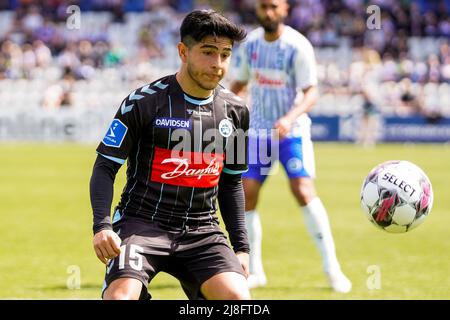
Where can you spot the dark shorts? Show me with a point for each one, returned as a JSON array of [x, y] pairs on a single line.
[[191, 256]]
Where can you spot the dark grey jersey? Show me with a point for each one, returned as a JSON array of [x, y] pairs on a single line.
[[177, 147]]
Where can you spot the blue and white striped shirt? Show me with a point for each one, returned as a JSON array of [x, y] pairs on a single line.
[[275, 72]]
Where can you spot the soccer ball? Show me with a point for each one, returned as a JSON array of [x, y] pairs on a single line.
[[396, 196]]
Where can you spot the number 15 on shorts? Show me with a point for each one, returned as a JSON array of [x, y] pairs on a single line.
[[134, 256]]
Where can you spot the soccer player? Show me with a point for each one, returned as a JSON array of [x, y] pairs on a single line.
[[179, 136], [278, 63]]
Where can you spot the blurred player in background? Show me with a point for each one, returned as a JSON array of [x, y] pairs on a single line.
[[279, 65], [166, 218], [369, 125]]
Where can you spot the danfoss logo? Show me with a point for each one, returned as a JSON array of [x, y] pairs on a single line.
[[182, 169], [187, 169]]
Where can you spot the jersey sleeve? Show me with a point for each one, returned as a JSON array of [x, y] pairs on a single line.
[[305, 66], [236, 160], [123, 132], [240, 68]]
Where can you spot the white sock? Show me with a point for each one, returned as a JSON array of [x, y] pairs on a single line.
[[318, 226], [254, 230]]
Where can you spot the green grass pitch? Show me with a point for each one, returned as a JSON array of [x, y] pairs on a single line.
[[46, 232]]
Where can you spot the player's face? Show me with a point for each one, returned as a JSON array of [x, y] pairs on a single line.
[[271, 13], [208, 61]]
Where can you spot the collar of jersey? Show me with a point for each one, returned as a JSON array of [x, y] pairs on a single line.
[[199, 102]]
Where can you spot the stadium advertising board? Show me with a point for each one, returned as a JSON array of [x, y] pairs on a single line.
[[391, 129], [89, 126]]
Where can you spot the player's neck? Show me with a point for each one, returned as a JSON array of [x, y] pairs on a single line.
[[273, 36], [189, 86]]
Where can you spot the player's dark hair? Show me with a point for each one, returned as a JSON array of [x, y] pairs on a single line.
[[202, 23]]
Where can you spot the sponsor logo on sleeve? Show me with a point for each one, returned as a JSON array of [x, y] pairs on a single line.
[[116, 134]]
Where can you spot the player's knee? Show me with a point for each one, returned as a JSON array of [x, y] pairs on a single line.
[[226, 286], [122, 289], [303, 191], [251, 190], [251, 198], [250, 205], [119, 295], [238, 295]]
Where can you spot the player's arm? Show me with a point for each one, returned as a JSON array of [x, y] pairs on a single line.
[[231, 191], [302, 105], [101, 192], [310, 95], [240, 72], [232, 207], [113, 151], [106, 242], [306, 83], [239, 88]]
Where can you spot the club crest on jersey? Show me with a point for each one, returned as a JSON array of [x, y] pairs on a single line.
[[116, 134], [225, 128], [173, 123]]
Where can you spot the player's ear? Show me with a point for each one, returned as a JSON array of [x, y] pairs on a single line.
[[285, 5], [182, 51]]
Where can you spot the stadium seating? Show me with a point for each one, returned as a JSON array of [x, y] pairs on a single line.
[[339, 67]]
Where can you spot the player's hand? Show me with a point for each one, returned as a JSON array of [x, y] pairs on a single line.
[[283, 125], [244, 260], [106, 245]]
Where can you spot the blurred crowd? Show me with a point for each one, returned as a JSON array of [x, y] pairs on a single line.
[[402, 66]]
